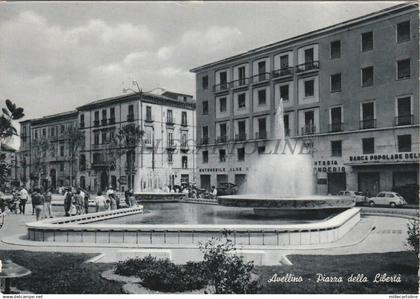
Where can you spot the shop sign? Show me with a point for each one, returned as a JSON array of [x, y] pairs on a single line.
[[385, 157], [328, 166], [223, 169]]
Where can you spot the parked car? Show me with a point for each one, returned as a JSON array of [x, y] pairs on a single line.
[[388, 198], [227, 189], [359, 197]]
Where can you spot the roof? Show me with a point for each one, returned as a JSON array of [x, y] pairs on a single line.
[[146, 97], [172, 93], [54, 117], [319, 32], [7, 148]]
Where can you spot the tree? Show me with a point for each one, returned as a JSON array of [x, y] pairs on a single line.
[[7, 130], [39, 149], [413, 235], [75, 139]]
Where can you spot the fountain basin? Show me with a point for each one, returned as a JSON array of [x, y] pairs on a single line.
[[300, 206]]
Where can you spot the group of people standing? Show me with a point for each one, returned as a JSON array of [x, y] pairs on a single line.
[[111, 201], [76, 202]]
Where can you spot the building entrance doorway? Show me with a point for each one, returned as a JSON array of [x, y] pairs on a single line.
[[104, 181], [336, 182], [205, 181], [368, 182]]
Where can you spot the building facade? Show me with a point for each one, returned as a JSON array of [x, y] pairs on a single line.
[[44, 151], [166, 157], [350, 92]]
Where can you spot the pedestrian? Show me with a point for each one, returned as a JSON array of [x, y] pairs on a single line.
[[100, 202], [38, 202], [86, 202], [112, 202], [127, 197], [23, 198], [78, 202], [33, 204], [133, 201], [48, 204], [68, 198], [213, 192]]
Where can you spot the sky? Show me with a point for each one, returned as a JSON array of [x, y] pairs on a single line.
[[57, 56]]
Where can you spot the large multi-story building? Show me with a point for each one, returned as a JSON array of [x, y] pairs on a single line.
[[46, 162], [167, 157], [350, 90], [167, 122]]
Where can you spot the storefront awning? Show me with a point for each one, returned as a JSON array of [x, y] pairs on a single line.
[[381, 163]]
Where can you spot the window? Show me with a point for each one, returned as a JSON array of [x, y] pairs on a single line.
[[103, 114], [241, 154], [241, 100], [368, 145], [261, 97], [309, 55], [403, 31], [336, 82], [336, 120], [52, 132], [148, 113], [111, 135], [170, 157], [61, 166], [368, 115], [262, 128], [205, 108], [96, 138], [82, 162], [82, 120], [112, 115], [170, 138], [62, 128], [61, 150], [222, 155], [261, 150], [104, 139], [44, 132], [404, 116], [223, 80], [335, 49], [403, 69], [222, 105], [96, 119], [367, 76], [223, 132], [284, 61], [169, 116], [241, 76], [205, 156], [309, 88], [184, 121], [367, 41], [336, 148], [205, 135], [130, 116], [184, 160], [404, 143], [286, 124], [284, 92], [205, 82]]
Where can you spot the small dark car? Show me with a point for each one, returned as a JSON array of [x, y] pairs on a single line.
[[227, 189]]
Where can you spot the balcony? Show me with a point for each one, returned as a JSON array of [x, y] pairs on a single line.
[[170, 145], [184, 124], [367, 123], [242, 82], [222, 139], [308, 130], [283, 72], [148, 119], [184, 145], [261, 135], [404, 120], [261, 77], [130, 117], [307, 66], [204, 141], [170, 121], [335, 127], [96, 123], [240, 137], [104, 122], [111, 121], [221, 87]]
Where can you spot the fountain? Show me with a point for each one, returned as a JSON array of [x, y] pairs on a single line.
[[281, 182]]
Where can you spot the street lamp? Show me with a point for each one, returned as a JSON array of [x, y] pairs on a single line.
[[140, 93]]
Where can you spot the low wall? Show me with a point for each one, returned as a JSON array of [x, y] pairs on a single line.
[[158, 197], [83, 229]]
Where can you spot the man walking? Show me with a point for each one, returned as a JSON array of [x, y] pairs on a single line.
[[23, 198], [38, 202], [48, 204]]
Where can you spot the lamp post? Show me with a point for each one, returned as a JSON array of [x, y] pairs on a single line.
[[140, 93]]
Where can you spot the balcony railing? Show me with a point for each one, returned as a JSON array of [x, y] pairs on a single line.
[[367, 123], [104, 122], [221, 87], [148, 119], [221, 139], [111, 121], [240, 137], [96, 123], [170, 121], [307, 66], [261, 77], [308, 130], [170, 145], [204, 141], [184, 124], [130, 117], [240, 82], [335, 127], [404, 120], [283, 72], [261, 135]]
